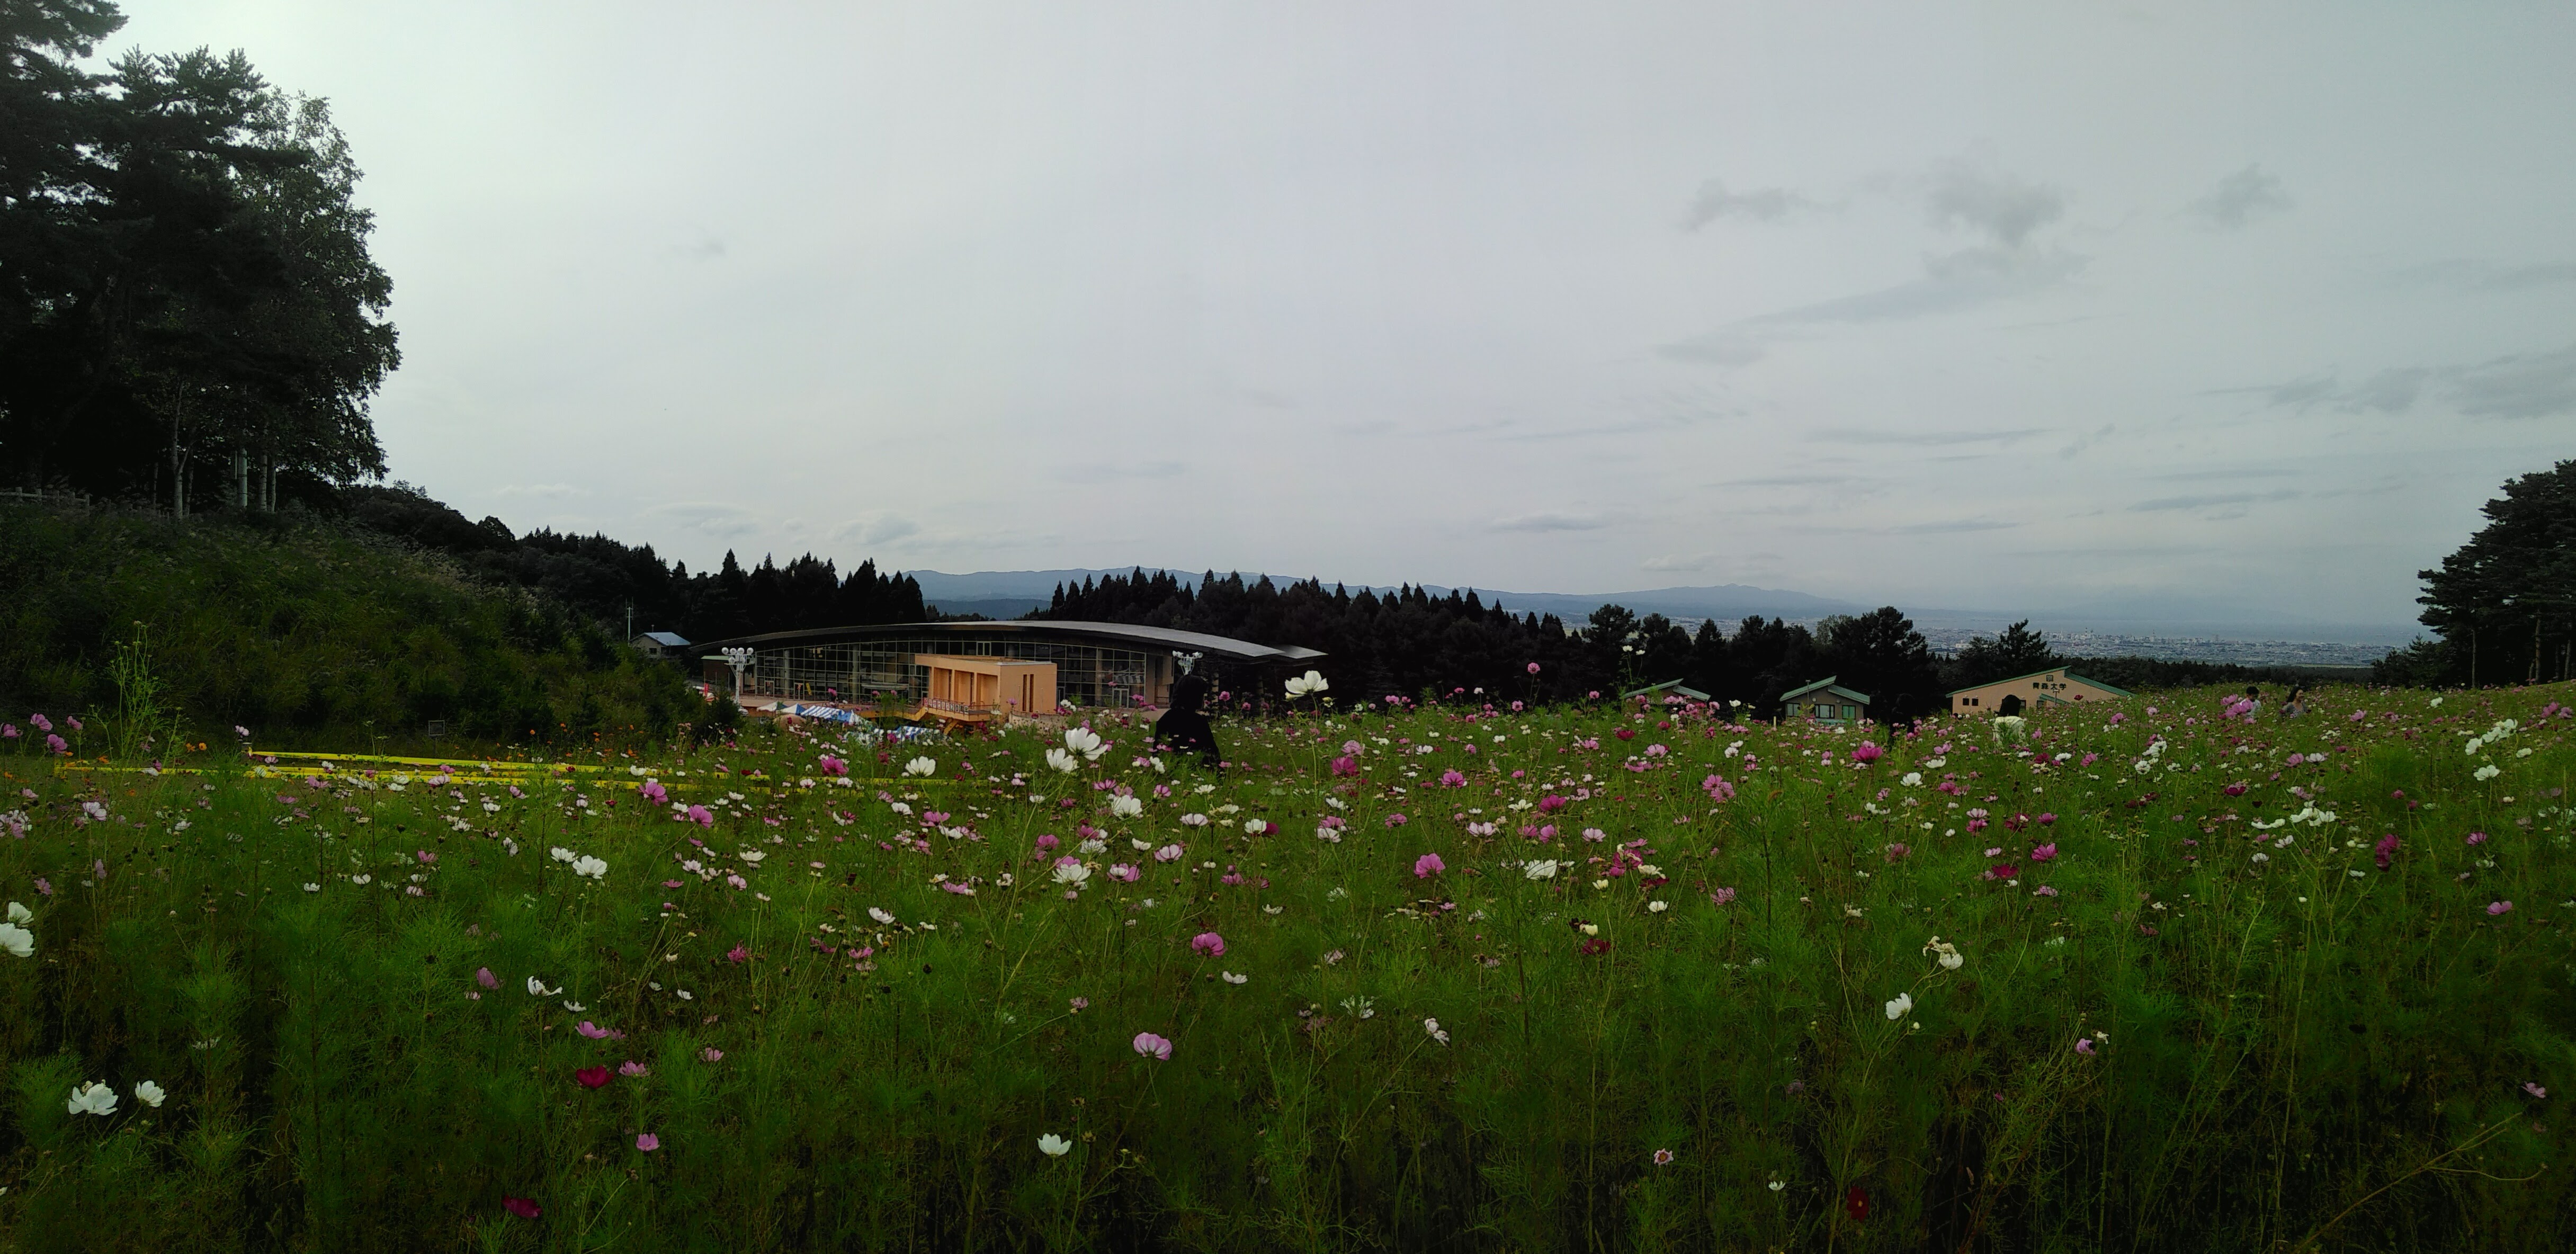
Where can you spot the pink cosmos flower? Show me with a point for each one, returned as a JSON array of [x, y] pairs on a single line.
[[1154, 1047], [647, 1142], [484, 977], [1170, 853], [2535, 1090], [633, 1070], [2044, 853], [737, 955], [711, 1054], [1868, 752], [833, 766], [654, 792], [2477, 838], [2386, 849], [591, 1030], [521, 1207], [1208, 943], [57, 744], [591, 1077], [42, 723], [1533, 668], [1428, 865], [1396, 820], [2499, 907], [426, 857], [1721, 896], [2084, 1045], [1663, 1157], [1452, 779], [701, 816], [1124, 873]]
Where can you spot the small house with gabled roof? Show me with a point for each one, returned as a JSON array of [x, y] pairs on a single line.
[[1826, 702], [1668, 688], [2021, 692], [660, 644]]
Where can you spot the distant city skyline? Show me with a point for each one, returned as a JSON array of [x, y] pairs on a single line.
[[2223, 310]]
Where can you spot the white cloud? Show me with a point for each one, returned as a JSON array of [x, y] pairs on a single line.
[[2242, 198]]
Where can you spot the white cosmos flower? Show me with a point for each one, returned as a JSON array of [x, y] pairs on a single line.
[[1308, 684], [1086, 742], [1159, 768], [1126, 807], [883, 919], [150, 1094], [20, 914], [574, 1006], [1913, 779], [589, 867], [93, 1098], [17, 940], [2487, 772], [1054, 1146], [1063, 761], [1231, 978], [1252, 827], [313, 888], [1072, 873], [1899, 1008], [921, 766], [1543, 869], [1658, 907], [537, 988]]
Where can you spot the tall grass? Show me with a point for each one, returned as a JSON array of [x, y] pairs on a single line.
[[1698, 1051]]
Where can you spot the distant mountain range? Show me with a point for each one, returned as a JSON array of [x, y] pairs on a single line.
[[1012, 593]]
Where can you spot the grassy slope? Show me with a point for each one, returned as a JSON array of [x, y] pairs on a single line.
[[301, 631], [2281, 1037]]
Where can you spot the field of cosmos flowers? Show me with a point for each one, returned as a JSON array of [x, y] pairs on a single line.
[[2169, 975]]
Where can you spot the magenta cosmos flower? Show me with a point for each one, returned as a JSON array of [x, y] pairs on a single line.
[[647, 1142], [1154, 1047], [524, 1208], [1428, 865], [1208, 943]]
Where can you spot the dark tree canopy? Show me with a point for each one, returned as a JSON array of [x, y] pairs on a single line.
[[188, 311], [2504, 604]]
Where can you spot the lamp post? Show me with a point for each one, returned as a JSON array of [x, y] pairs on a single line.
[[739, 659]]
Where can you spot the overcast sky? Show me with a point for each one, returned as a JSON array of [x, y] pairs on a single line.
[[2002, 306]]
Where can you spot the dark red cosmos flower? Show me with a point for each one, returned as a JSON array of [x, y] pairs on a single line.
[[1627, 734], [521, 1207], [1597, 945], [591, 1077], [1856, 1204]]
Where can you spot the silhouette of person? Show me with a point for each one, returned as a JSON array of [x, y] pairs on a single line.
[[1185, 725]]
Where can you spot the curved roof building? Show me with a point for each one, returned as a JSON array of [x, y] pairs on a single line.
[[984, 669]]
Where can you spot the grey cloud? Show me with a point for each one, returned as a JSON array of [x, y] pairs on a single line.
[[1720, 348], [2213, 500], [2387, 392], [1768, 204], [1789, 481], [1982, 198], [2486, 276], [1859, 436], [1943, 528], [548, 491], [2518, 278], [2535, 385], [1550, 521], [710, 518], [1680, 562], [2519, 385], [1955, 281], [876, 527], [1108, 472], [2241, 198]]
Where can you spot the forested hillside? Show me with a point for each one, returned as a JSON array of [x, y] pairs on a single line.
[[305, 630]]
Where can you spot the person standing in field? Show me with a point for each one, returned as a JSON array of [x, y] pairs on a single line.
[[2294, 707], [1185, 727], [2253, 703]]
